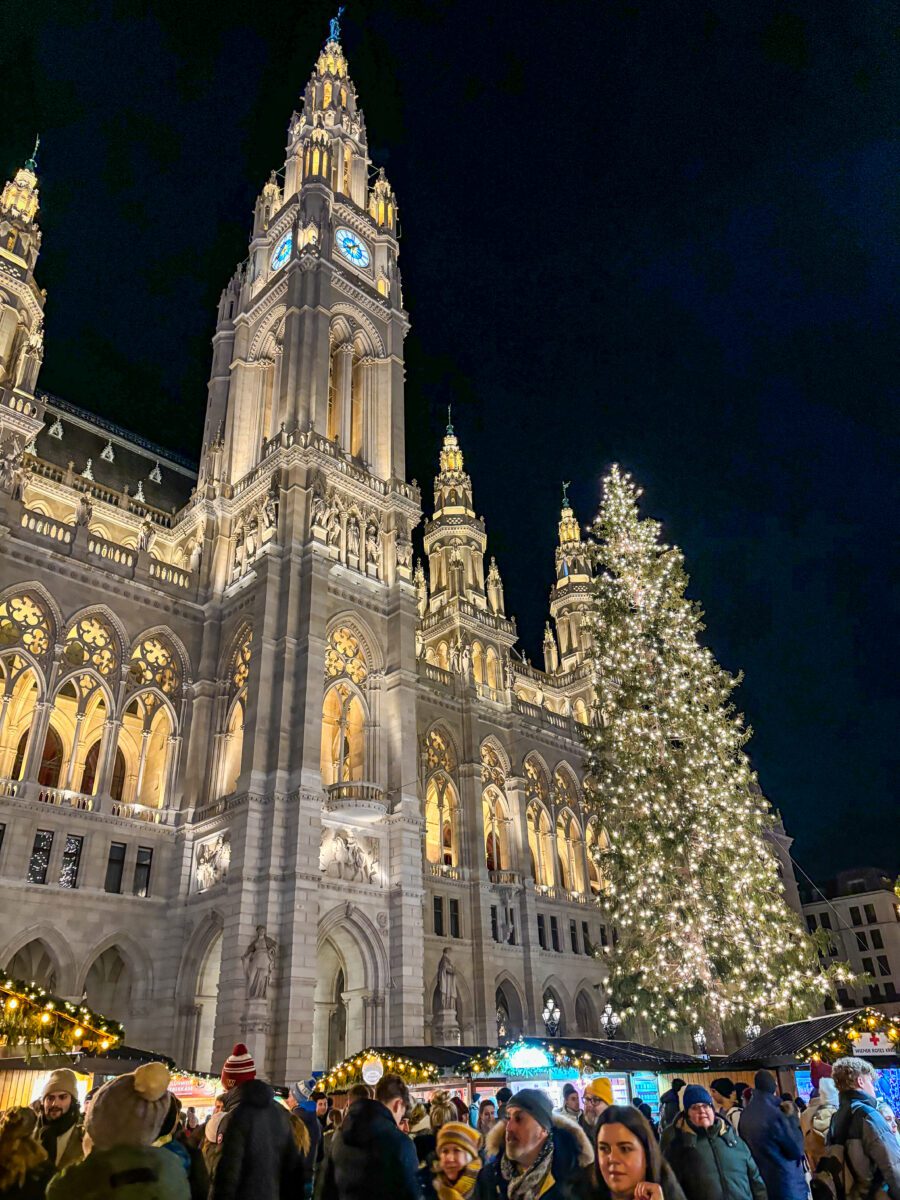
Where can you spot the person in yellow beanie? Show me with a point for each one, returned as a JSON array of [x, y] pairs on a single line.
[[596, 1100], [453, 1173], [125, 1119]]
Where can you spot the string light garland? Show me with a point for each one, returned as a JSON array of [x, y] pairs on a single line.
[[348, 1072], [839, 1042], [34, 1019], [533, 1059], [704, 938]]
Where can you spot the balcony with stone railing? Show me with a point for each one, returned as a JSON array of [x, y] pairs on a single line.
[[444, 871], [66, 798], [357, 800]]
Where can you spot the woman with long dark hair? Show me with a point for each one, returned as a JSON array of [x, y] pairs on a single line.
[[629, 1163]]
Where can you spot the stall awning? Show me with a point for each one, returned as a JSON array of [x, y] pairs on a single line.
[[829, 1036]]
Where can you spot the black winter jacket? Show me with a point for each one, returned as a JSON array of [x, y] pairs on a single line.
[[712, 1164], [259, 1158], [369, 1157]]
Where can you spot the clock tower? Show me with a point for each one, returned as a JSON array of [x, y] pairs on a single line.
[[310, 328]]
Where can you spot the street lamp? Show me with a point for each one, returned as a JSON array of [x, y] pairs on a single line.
[[700, 1043], [552, 1016], [610, 1021]]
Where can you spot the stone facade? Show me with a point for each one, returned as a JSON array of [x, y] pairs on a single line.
[[257, 770]]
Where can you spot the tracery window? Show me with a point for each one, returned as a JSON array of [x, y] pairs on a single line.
[[240, 666], [491, 766], [496, 830], [344, 656], [438, 752], [566, 792], [153, 665], [91, 643], [540, 844], [535, 779], [25, 622]]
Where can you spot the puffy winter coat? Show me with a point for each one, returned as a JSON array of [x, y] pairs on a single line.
[[259, 1159], [669, 1107], [369, 1157], [126, 1172], [776, 1143], [872, 1150], [713, 1163], [571, 1175]]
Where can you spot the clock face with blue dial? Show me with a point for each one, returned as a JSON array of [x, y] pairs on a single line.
[[282, 252], [352, 247]]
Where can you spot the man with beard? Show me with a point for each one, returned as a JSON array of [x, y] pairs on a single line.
[[60, 1128], [535, 1153]]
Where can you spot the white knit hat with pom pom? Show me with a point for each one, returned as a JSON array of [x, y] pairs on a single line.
[[129, 1111]]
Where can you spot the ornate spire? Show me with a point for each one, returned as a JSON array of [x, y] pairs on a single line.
[[31, 163], [20, 195], [451, 455], [569, 529], [334, 26]]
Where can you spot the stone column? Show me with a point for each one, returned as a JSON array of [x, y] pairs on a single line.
[[324, 1011], [343, 393], [40, 723], [73, 754], [106, 764]]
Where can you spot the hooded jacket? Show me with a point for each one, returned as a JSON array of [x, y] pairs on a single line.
[[369, 1157], [571, 1173], [259, 1159], [713, 1163], [872, 1150], [126, 1172], [776, 1143]]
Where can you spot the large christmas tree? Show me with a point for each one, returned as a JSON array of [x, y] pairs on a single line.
[[705, 939]]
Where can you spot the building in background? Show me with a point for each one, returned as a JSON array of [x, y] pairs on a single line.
[[860, 914], [262, 777]]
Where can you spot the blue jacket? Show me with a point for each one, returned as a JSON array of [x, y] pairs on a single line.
[[776, 1143]]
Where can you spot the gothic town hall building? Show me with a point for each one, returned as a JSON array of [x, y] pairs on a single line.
[[235, 715]]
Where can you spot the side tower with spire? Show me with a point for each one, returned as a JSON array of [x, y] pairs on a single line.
[[21, 309]]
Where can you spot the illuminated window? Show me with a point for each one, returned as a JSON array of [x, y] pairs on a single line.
[[343, 736], [24, 622], [441, 817], [90, 642], [153, 665], [344, 657]]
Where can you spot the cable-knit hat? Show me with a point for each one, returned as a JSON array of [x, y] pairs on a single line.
[[600, 1088], [455, 1133], [130, 1110], [239, 1066]]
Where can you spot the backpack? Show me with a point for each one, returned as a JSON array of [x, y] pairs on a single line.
[[834, 1176]]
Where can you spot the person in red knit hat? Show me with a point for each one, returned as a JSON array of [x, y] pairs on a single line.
[[258, 1155]]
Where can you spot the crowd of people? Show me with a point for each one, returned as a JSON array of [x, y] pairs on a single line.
[[131, 1140]]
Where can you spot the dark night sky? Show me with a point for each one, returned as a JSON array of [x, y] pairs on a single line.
[[659, 233]]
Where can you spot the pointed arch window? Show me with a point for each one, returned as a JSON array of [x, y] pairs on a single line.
[[496, 830], [343, 736], [540, 844], [90, 642], [441, 822]]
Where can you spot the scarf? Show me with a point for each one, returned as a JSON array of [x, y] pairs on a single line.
[[464, 1186], [528, 1185], [52, 1131]]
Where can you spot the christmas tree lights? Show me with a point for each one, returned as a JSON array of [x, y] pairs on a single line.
[[705, 939]]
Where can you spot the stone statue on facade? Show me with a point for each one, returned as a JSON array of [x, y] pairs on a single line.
[[333, 529], [84, 511], [259, 961], [353, 537], [446, 980], [373, 547], [12, 470], [146, 535]]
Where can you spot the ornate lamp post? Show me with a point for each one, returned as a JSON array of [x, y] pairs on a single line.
[[700, 1042], [610, 1021], [551, 1016]]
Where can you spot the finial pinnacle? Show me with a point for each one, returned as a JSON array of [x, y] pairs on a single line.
[[567, 483], [449, 419], [31, 163], [334, 26]]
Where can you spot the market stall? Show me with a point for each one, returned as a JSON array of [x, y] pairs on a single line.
[[788, 1050]]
